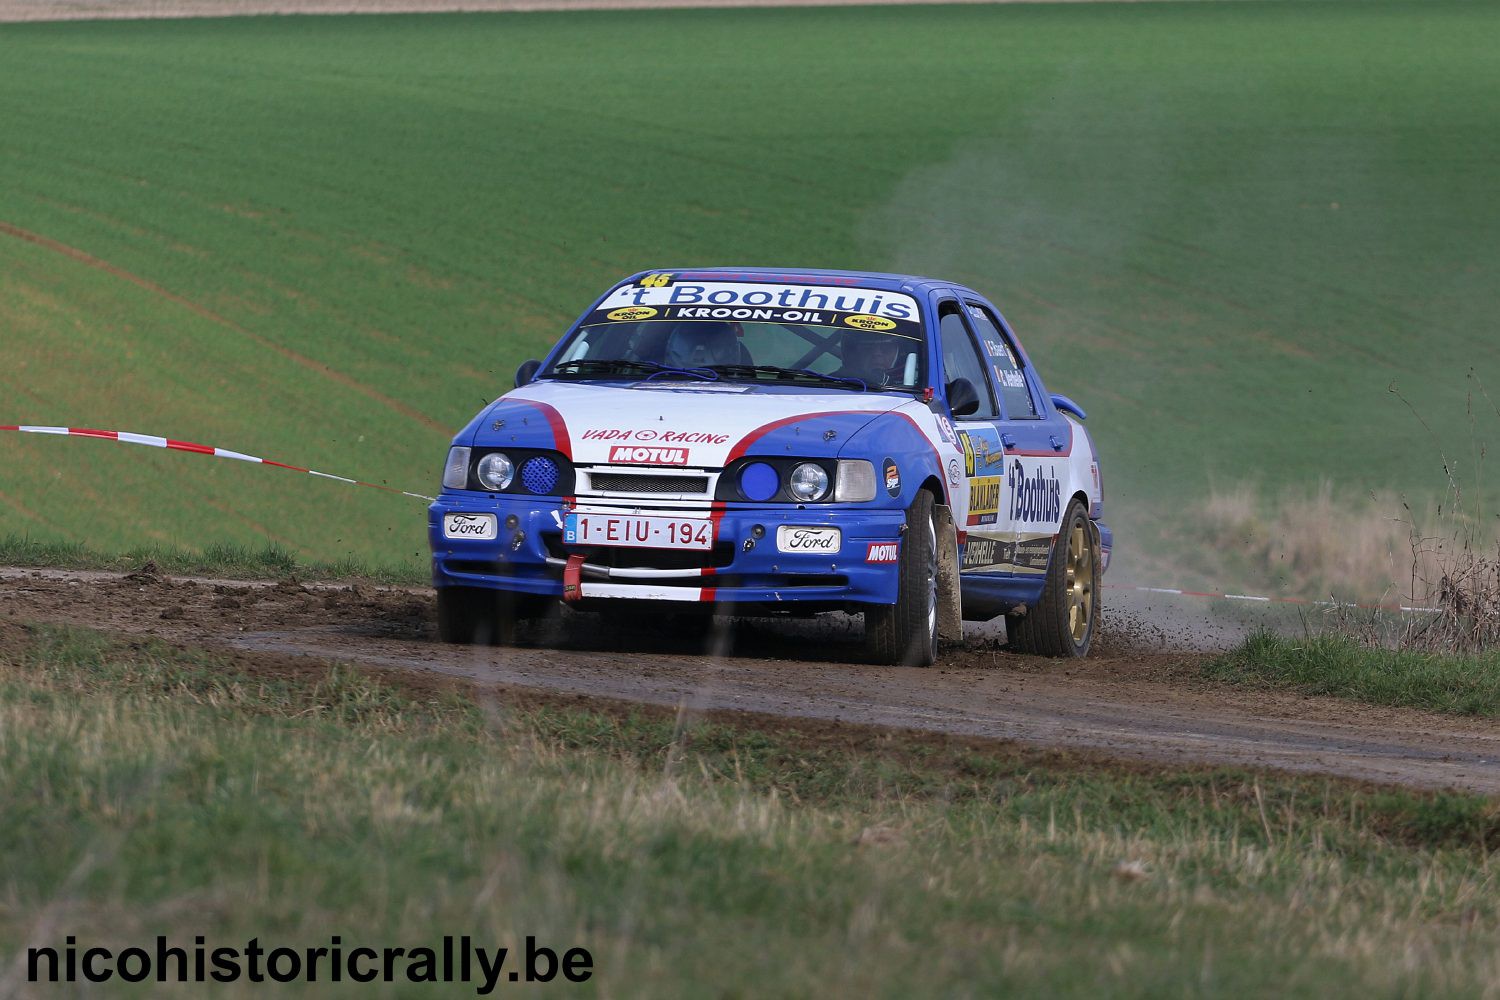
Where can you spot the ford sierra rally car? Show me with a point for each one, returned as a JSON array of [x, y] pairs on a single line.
[[758, 441]]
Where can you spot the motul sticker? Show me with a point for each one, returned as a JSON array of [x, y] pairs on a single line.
[[625, 454], [882, 552]]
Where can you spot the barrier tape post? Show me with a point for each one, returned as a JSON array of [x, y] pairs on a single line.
[[152, 441]]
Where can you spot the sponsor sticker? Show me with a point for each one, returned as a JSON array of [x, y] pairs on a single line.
[[982, 451], [892, 477], [647, 434], [981, 553], [955, 474], [1033, 554], [945, 428], [795, 538], [1027, 555], [864, 321], [674, 298], [984, 499], [625, 454], [630, 314], [882, 552], [1034, 497]]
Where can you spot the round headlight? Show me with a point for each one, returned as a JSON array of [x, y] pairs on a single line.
[[809, 482], [495, 471]]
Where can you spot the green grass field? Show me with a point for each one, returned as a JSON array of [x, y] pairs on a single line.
[[156, 790], [1225, 228]]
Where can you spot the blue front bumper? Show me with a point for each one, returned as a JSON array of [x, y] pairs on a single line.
[[528, 556]]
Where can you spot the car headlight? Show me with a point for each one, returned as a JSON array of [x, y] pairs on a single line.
[[495, 471], [456, 472], [809, 482], [856, 481]]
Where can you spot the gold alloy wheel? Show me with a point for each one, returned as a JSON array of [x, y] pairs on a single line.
[[1080, 582]]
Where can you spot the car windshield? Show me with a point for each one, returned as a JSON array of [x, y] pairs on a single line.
[[639, 333]]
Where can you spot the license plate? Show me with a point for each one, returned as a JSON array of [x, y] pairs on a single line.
[[638, 532], [481, 526]]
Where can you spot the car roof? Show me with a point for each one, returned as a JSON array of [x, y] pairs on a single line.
[[909, 283]]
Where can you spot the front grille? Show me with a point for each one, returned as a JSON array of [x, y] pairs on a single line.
[[645, 484]]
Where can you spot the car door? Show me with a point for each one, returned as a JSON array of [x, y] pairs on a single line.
[[1035, 442], [979, 437]]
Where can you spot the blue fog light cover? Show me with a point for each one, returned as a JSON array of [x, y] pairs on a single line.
[[539, 475], [758, 481]]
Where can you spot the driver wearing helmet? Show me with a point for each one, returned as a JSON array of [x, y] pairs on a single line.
[[698, 345], [867, 356]]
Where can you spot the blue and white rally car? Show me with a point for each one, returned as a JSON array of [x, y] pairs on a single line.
[[757, 441]]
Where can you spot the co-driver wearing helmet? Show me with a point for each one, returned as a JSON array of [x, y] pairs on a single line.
[[867, 356]]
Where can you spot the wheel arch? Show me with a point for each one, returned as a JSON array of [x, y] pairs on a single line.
[[1082, 498]]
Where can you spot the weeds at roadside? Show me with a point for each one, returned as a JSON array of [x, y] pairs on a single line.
[[270, 561], [1364, 554]]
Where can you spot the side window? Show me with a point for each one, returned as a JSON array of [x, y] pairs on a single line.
[[1008, 377], [961, 359]]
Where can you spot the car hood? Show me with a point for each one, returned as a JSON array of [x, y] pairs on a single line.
[[695, 426]]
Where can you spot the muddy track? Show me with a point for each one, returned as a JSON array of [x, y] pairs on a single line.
[[1140, 698]]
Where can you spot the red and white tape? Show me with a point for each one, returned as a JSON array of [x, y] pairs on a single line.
[[152, 441], [1275, 600]]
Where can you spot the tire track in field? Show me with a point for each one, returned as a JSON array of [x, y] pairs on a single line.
[[302, 360]]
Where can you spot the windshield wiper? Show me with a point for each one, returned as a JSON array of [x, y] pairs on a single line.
[[586, 367], [755, 371]]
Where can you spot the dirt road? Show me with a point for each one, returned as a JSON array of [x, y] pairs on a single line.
[[1140, 698]]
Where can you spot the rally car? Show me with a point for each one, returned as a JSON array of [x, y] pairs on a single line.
[[758, 441]]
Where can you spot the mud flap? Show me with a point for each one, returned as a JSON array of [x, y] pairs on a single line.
[[573, 578], [950, 622]]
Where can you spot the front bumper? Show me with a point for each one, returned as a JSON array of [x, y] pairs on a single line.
[[529, 557]]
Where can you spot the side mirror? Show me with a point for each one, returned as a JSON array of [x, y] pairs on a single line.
[[1068, 406], [527, 372], [963, 398]]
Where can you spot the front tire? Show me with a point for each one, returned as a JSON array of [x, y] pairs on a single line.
[[1062, 622], [475, 616], [906, 633]]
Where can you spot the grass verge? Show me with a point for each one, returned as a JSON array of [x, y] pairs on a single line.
[[154, 789], [1338, 665], [229, 561]]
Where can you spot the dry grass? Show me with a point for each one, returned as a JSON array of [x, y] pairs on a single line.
[[1377, 550], [1321, 541], [1380, 549]]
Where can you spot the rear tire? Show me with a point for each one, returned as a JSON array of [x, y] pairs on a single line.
[[475, 616], [905, 633], [1062, 622]]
